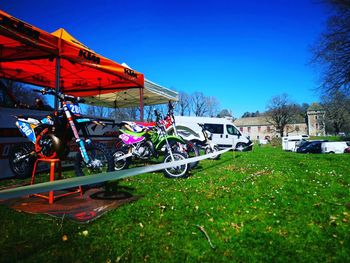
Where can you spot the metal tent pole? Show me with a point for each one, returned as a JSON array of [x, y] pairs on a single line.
[[57, 82], [141, 104]]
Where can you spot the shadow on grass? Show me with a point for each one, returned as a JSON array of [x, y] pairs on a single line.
[[111, 195], [217, 163]]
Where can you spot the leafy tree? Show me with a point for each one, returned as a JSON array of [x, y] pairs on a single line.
[[248, 114], [225, 113], [332, 50]]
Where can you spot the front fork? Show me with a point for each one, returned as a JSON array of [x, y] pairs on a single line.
[[78, 140], [82, 149], [169, 150]]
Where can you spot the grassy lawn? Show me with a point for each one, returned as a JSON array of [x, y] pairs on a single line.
[[259, 206]]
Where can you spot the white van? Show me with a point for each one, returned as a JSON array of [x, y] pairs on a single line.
[[291, 143], [333, 147], [224, 133]]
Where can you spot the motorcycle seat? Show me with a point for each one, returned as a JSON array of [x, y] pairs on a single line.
[[28, 119], [135, 134]]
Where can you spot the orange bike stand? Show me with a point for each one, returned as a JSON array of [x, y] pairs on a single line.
[[51, 197]]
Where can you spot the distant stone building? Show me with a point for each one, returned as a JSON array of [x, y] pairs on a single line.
[[315, 119], [261, 128]]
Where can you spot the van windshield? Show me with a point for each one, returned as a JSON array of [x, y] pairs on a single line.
[[232, 130]]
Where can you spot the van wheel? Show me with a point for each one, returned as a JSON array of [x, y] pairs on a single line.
[[331, 152], [240, 147]]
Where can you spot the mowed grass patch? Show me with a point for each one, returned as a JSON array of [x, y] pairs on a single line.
[[264, 205]]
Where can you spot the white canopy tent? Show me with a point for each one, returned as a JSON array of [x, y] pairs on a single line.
[[150, 94]]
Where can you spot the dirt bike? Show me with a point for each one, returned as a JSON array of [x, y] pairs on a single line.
[[187, 147], [50, 137], [150, 143], [203, 140], [191, 148]]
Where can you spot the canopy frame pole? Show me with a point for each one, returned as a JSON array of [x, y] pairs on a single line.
[[58, 70], [141, 104], [57, 80]]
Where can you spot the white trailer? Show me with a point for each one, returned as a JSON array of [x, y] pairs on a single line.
[[291, 143], [334, 147]]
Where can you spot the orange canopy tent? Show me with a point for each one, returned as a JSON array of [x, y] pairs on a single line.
[[31, 55]]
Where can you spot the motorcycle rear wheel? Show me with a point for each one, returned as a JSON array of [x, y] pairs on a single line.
[[24, 168], [121, 164], [192, 151], [189, 148]]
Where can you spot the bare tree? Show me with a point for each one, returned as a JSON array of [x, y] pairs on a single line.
[[98, 111], [183, 105], [23, 94], [332, 50], [213, 106], [199, 106], [280, 112], [337, 107], [149, 112]]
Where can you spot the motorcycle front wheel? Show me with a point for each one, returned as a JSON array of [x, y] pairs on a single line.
[[100, 162], [22, 168], [209, 150], [179, 171]]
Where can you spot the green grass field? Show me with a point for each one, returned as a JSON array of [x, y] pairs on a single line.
[[259, 206]]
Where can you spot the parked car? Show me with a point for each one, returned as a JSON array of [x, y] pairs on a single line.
[[310, 147], [291, 143], [334, 147]]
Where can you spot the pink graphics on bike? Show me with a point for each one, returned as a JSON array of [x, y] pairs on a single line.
[[129, 139]]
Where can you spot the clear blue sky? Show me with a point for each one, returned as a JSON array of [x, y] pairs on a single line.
[[241, 52]]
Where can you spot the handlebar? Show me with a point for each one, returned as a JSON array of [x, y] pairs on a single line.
[[60, 95], [158, 115]]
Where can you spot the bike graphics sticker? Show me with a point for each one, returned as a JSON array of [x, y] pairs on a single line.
[[26, 130], [129, 139]]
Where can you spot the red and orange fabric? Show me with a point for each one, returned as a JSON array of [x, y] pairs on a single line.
[[28, 54]]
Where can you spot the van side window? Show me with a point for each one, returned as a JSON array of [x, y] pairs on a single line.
[[214, 128], [232, 130]]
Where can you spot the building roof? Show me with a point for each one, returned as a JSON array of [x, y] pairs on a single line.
[[252, 121], [261, 121]]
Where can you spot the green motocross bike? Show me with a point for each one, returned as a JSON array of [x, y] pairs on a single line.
[[150, 143]]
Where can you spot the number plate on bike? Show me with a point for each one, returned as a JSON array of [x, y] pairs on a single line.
[[74, 108]]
